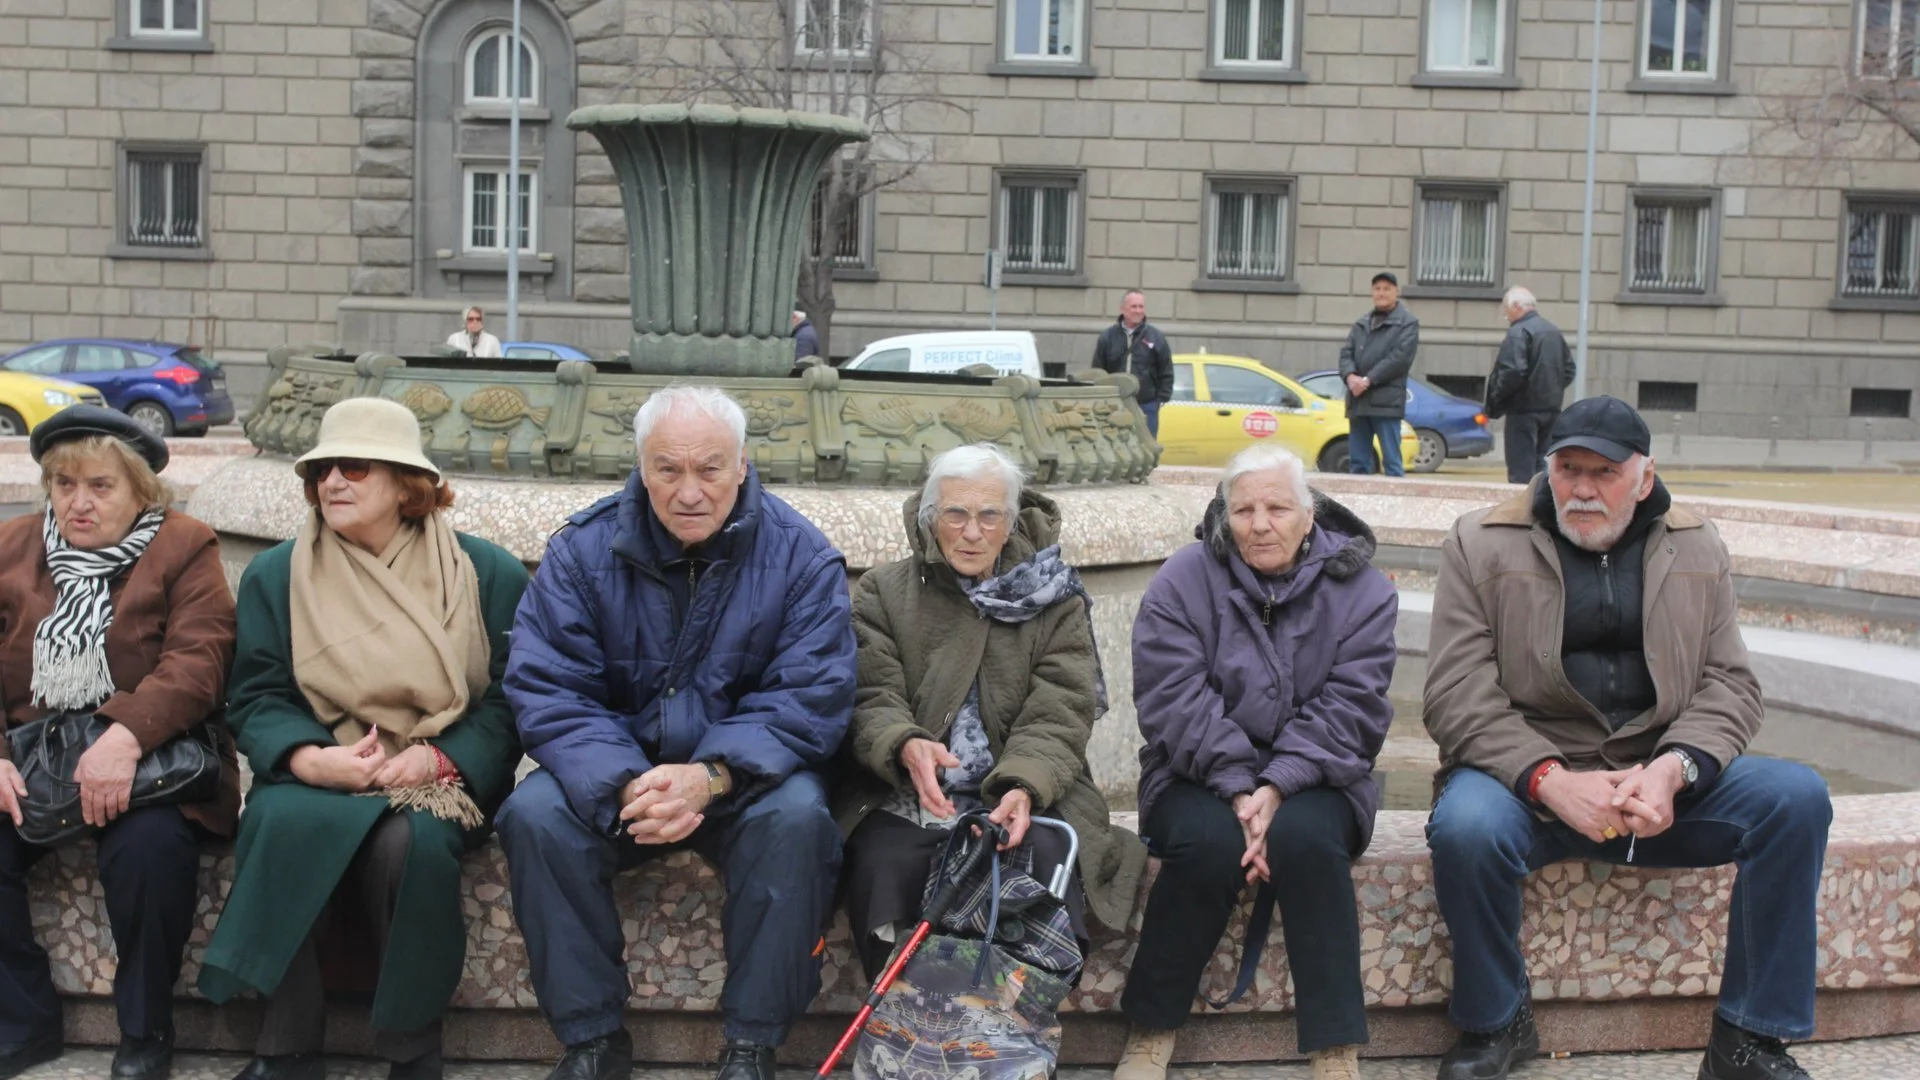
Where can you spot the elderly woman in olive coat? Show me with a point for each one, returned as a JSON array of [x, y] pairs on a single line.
[[979, 687]]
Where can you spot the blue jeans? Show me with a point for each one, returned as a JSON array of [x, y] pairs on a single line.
[[1769, 818], [779, 856], [1361, 432], [1152, 410]]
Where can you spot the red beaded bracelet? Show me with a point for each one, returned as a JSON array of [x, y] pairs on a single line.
[[445, 773]]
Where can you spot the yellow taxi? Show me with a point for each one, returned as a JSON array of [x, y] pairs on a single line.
[[26, 400], [1224, 403]]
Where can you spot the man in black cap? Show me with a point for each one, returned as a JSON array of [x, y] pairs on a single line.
[[1590, 695], [1375, 363]]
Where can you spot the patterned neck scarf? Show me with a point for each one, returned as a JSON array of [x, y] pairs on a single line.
[[70, 670]]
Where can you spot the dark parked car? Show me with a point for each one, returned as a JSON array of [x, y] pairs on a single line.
[[1448, 426], [167, 389]]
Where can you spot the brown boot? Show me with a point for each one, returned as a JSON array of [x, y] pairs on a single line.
[[1147, 1055], [1336, 1063]]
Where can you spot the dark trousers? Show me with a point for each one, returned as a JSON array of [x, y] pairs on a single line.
[[1769, 818], [1525, 437], [888, 859], [779, 856], [1310, 850], [1361, 433], [296, 1015], [1152, 411], [149, 861]]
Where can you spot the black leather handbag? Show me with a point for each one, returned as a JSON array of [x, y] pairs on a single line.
[[183, 769]]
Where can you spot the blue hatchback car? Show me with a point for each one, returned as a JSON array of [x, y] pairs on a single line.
[[167, 389], [1448, 426]]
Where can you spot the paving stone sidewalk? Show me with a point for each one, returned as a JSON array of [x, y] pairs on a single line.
[[1864, 1059]]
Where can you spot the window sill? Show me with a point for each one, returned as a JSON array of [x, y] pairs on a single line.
[[1453, 292], [1707, 87], [1460, 80], [853, 273], [131, 43], [1873, 303], [1632, 299], [1245, 285], [1045, 281], [1251, 74], [494, 264], [533, 113], [1041, 69], [821, 62], [164, 254]]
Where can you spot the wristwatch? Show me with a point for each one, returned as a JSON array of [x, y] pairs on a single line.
[[1689, 772], [716, 780]]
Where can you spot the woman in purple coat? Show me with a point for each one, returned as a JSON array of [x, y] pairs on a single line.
[[1261, 659]]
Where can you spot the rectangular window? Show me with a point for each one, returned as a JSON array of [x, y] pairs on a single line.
[[1681, 38], [1892, 404], [163, 199], [166, 18], [1888, 43], [1254, 32], [1248, 230], [1882, 258], [852, 249], [1466, 36], [1671, 243], [834, 26], [1669, 397], [1457, 237], [1040, 225], [485, 212], [1045, 30]]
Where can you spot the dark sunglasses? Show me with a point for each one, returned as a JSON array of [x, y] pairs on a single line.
[[352, 469]]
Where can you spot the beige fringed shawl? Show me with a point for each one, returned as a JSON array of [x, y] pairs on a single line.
[[393, 641]]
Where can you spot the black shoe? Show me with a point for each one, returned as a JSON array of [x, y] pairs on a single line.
[[743, 1060], [1488, 1056], [285, 1067], [144, 1059], [427, 1066], [16, 1058], [1734, 1053], [609, 1057]]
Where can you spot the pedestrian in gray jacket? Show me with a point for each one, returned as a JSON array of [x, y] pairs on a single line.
[[1137, 347], [1375, 363], [1530, 379]]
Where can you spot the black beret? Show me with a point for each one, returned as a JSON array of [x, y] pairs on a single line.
[[80, 421]]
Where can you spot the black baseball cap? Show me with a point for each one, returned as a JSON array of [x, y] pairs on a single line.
[[1605, 425], [1386, 276], [80, 421]]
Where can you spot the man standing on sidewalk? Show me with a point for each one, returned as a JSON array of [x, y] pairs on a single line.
[[1530, 378], [1375, 363], [1136, 346]]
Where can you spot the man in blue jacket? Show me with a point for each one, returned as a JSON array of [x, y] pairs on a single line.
[[682, 670]]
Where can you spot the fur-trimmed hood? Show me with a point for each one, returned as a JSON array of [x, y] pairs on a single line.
[[1339, 541]]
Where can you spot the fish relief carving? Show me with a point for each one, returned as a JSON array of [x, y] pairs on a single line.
[[894, 417], [501, 408]]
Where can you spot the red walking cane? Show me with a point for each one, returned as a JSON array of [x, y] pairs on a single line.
[[987, 838]]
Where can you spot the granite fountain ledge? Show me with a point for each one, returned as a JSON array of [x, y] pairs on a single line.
[[1621, 937]]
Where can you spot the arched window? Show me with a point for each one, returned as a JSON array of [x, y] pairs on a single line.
[[488, 77]]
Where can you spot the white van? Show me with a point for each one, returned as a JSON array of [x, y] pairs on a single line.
[[1010, 352]]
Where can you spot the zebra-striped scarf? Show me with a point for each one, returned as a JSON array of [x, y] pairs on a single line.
[[70, 645]]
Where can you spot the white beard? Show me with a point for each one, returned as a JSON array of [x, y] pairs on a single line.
[[1596, 538]]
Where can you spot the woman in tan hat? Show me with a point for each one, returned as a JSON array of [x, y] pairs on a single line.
[[110, 603], [366, 695]]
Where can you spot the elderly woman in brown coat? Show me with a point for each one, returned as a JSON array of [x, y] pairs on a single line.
[[979, 687], [110, 603]]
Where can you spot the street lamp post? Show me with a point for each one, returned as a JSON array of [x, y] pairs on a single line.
[[513, 182], [1586, 213]]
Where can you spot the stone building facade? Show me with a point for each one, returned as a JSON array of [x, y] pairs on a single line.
[[246, 172]]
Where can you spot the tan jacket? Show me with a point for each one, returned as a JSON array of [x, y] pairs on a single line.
[[1497, 698]]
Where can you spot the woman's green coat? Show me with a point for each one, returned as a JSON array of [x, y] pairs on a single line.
[[296, 841]]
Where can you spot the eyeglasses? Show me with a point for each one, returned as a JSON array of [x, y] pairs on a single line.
[[475, 318], [990, 519], [352, 469]]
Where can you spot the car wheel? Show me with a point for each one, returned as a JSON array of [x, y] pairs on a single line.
[[10, 422], [1433, 451], [1334, 457], [153, 416]]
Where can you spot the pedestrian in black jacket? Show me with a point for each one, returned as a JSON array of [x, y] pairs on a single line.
[[1137, 347], [1375, 363], [1529, 380]]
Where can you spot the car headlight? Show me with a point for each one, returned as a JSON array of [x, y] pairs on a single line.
[[57, 397]]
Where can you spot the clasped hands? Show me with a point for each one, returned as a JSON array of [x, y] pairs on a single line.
[[1638, 800], [1357, 384], [924, 758], [363, 766], [665, 804], [1255, 811]]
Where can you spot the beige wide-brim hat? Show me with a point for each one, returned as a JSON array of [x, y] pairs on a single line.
[[369, 427]]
